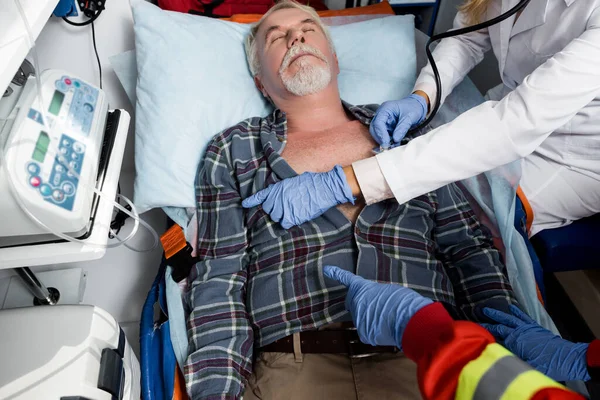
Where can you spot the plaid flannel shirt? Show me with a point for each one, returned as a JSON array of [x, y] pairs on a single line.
[[257, 282]]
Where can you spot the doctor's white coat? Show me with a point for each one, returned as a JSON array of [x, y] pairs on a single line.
[[550, 60]]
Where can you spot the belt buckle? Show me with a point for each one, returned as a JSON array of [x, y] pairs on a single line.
[[352, 355], [352, 342]]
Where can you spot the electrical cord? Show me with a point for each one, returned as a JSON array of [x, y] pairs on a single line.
[[92, 10], [119, 219], [96, 51], [438, 83], [118, 222], [84, 23]]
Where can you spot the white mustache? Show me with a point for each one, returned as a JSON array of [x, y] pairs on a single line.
[[298, 49]]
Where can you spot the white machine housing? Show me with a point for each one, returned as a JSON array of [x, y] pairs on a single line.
[[65, 351], [53, 164]]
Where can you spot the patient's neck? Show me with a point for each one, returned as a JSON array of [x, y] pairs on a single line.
[[323, 110]]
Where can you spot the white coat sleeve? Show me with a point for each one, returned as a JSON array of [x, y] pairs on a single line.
[[495, 133], [454, 57]]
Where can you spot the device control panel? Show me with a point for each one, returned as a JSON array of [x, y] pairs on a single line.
[[71, 109]]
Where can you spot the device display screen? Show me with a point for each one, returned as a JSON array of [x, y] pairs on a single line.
[[56, 103], [41, 147]]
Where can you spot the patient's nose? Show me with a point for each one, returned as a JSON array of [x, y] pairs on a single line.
[[296, 37]]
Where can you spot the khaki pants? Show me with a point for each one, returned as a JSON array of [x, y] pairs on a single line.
[[289, 376]]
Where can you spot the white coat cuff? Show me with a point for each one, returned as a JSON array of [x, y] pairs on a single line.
[[372, 183], [431, 91]]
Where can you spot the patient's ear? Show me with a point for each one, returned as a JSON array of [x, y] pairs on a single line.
[[260, 86]]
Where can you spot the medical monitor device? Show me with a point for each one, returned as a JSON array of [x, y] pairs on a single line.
[[54, 164]]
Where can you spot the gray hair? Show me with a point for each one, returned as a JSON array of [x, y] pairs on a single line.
[[250, 42]]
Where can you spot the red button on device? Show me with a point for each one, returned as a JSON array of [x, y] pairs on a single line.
[[34, 181], [68, 81]]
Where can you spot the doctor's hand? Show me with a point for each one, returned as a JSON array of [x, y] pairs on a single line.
[[380, 311], [303, 198], [553, 356], [394, 118]]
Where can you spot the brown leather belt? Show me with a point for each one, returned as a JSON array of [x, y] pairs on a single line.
[[328, 342]]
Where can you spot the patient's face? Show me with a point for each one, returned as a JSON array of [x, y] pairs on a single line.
[[295, 55]]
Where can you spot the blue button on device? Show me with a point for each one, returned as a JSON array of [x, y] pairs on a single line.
[[45, 190]]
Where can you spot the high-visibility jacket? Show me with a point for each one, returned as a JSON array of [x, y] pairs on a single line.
[[461, 360]]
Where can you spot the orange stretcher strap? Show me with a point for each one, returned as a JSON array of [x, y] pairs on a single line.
[[527, 206], [528, 222], [179, 391], [539, 295], [173, 240]]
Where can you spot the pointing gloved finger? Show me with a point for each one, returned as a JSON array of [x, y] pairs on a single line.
[[340, 275], [502, 318], [516, 311], [257, 198], [500, 332]]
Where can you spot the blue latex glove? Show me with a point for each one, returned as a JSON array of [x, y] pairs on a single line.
[[553, 356], [380, 311], [394, 118], [303, 198]]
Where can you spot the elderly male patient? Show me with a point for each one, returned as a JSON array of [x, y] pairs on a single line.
[[265, 323]]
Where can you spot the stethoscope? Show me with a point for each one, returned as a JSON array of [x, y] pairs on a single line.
[[458, 32]]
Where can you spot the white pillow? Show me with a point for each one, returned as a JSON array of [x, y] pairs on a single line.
[[193, 81]]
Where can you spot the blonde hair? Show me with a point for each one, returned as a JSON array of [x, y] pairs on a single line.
[[250, 42], [474, 10]]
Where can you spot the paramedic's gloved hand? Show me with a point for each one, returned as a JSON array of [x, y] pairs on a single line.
[[302, 198], [394, 118], [553, 356], [380, 311]]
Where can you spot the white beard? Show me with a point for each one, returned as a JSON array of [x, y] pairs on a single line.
[[309, 78]]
